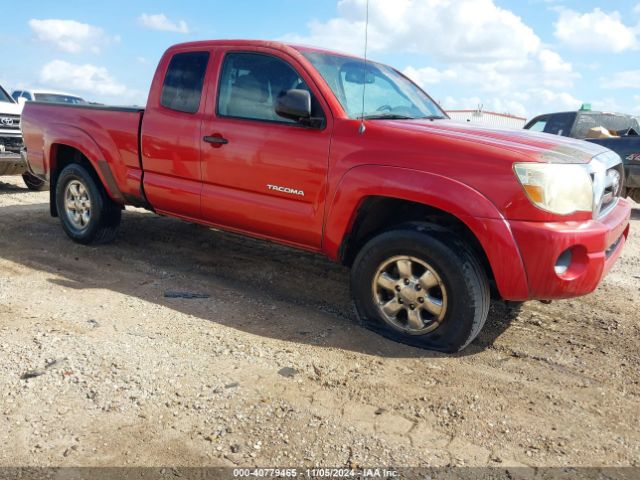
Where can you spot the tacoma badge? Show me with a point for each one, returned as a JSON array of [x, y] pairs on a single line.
[[291, 191]]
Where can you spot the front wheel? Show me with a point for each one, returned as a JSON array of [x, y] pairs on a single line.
[[421, 285], [87, 213]]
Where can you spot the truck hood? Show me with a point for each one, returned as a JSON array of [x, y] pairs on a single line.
[[7, 108], [532, 146]]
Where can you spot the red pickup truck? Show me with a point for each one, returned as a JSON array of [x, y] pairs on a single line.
[[329, 153]]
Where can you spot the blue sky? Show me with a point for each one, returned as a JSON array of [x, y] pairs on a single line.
[[523, 57]]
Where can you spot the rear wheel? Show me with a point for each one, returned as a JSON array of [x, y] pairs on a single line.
[[34, 183], [86, 212], [421, 285]]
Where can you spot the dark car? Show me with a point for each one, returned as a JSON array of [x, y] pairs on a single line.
[[579, 124]]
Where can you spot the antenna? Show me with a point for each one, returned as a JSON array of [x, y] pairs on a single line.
[[364, 77]]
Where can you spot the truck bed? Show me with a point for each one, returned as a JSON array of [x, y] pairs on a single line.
[[107, 133]]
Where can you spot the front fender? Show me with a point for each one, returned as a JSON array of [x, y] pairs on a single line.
[[62, 134], [446, 194]]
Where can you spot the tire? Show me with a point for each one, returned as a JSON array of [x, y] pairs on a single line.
[[451, 299], [94, 217], [33, 183]]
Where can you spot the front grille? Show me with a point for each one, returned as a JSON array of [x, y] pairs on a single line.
[[9, 122], [613, 187], [607, 174], [11, 144]]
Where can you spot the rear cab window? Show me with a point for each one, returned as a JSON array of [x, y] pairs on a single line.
[[183, 82], [619, 124]]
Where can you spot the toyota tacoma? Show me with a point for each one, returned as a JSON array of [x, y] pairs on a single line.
[[333, 154]]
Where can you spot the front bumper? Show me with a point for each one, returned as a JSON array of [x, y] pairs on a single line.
[[10, 143], [12, 164], [595, 246]]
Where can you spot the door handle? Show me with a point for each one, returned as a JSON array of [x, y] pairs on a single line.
[[215, 139]]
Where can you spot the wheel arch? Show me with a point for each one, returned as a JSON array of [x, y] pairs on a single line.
[[364, 205], [73, 145]]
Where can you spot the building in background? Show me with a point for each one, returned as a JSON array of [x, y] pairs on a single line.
[[491, 119]]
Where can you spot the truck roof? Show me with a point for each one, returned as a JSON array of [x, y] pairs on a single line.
[[588, 112], [283, 46]]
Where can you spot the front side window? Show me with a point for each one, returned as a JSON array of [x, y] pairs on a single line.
[[560, 123], [386, 93], [250, 84], [538, 126], [182, 88], [4, 96]]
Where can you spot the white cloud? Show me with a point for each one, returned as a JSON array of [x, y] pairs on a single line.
[[485, 48], [595, 31], [506, 87], [626, 79], [520, 104], [559, 100], [553, 63], [159, 21], [609, 104], [85, 78], [517, 103], [71, 36], [461, 30], [429, 75]]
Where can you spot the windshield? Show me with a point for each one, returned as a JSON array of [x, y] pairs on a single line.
[[4, 96], [387, 94], [57, 98]]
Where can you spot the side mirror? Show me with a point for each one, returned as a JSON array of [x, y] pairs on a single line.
[[294, 104], [22, 101]]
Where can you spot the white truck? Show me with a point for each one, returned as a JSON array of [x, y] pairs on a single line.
[[11, 162], [49, 96]]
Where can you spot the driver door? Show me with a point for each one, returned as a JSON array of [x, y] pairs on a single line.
[[263, 174]]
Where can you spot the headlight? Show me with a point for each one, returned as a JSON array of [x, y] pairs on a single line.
[[556, 188]]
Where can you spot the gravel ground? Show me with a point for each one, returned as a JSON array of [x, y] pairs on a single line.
[[100, 367]]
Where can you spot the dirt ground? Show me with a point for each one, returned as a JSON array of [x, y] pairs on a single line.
[[99, 367]]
